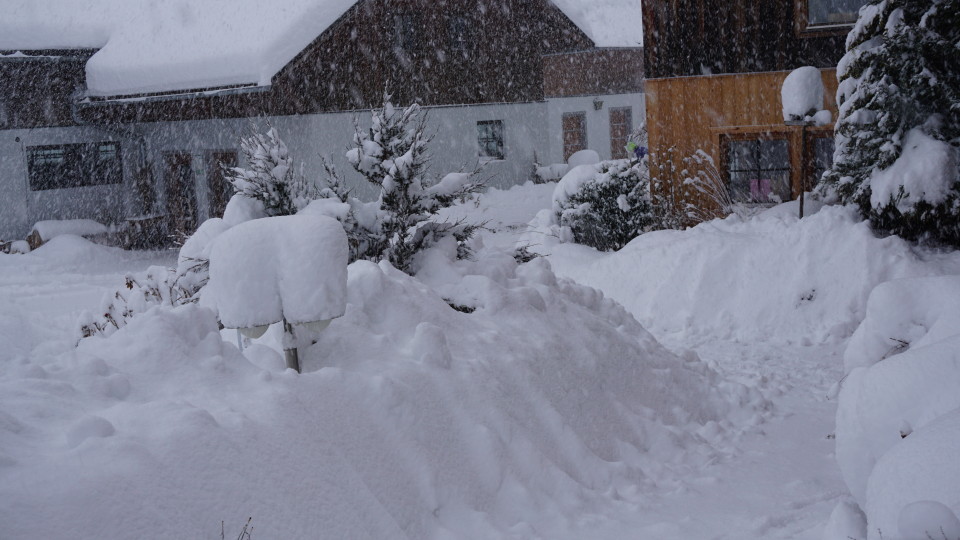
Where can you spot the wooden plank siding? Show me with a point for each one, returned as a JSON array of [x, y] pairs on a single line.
[[686, 114], [703, 37], [593, 72], [349, 65]]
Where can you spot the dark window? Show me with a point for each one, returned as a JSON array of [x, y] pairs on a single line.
[[490, 139], [74, 165], [458, 35], [406, 26], [4, 118], [820, 158], [832, 12], [758, 169], [574, 133], [621, 125]]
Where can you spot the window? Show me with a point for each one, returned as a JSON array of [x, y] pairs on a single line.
[[458, 35], [4, 118], [74, 165], [405, 28], [621, 126], [826, 13], [490, 138], [820, 156], [758, 169], [574, 133]]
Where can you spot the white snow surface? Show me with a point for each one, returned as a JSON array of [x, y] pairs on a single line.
[[80, 227], [286, 267], [925, 171], [801, 93], [171, 45]]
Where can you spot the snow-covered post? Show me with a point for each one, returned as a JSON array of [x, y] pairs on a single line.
[[802, 100], [284, 269]]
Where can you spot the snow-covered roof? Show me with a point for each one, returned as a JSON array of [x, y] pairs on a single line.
[[171, 45], [149, 46], [609, 23]]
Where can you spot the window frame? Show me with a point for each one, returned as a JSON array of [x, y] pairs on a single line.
[[805, 29], [726, 173], [81, 166], [405, 35], [620, 151], [458, 35], [495, 136]]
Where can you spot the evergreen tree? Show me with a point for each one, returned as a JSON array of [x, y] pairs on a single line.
[[900, 81], [270, 177], [393, 156]]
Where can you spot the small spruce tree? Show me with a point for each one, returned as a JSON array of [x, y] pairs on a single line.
[[269, 176], [393, 156], [900, 77]]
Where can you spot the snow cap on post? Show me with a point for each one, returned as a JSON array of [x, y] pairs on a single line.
[[286, 267], [802, 94]]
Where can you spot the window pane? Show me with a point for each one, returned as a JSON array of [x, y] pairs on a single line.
[[779, 186], [742, 155], [490, 138], [774, 155], [829, 12], [740, 185]]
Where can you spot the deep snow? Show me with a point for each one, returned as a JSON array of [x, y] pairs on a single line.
[[545, 412]]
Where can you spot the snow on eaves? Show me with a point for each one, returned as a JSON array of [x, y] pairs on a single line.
[[609, 23], [147, 47]]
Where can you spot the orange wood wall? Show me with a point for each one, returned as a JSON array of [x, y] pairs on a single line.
[[691, 113]]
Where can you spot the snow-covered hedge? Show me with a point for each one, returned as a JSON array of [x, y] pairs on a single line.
[[605, 205], [898, 419]]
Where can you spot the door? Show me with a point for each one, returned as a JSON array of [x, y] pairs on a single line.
[[219, 189], [181, 193], [574, 133], [621, 126]]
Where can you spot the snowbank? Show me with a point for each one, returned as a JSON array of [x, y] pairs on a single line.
[[412, 419], [772, 277], [898, 417]]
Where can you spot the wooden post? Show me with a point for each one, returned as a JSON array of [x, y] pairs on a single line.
[[290, 340], [803, 165]]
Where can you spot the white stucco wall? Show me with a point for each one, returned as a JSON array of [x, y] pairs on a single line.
[[20, 207], [598, 121]]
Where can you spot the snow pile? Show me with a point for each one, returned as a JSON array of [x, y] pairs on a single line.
[[609, 23], [802, 94], [80, 227], [534, 402], [898, 419], [772, 277], [572, 182], [286, 267], [925, 172]]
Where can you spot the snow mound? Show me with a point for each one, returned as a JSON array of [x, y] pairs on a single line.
[[925, 171], [534, 398], [79, 227], [772, 277], [802, 94]]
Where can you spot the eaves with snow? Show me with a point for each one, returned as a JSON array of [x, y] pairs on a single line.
[[156, 46]]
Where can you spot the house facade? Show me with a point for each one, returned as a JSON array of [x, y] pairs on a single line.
[[715, 69], [116, 126]]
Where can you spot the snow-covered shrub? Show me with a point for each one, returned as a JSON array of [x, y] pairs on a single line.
[[899, 123], [269, 176], [393, 156], [689, 190], [605, 205], [898, 417]]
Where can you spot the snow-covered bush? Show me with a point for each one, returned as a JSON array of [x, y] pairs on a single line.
[[269, 176], [899, 123], [605, 205], [898, 417], [393, 156]]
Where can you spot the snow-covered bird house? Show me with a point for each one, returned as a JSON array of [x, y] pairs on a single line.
[[715, 72], [119, 110], [287, 269]]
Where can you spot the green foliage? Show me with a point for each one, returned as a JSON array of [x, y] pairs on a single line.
[[612, 208], [269, 176], [901, 72]]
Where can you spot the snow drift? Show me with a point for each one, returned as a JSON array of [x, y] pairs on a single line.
[[414, 420]]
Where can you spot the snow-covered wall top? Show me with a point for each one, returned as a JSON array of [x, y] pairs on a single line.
[[148, 46], [609, 23]]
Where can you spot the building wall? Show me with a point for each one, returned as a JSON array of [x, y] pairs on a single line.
[[593, 71], [687, 114], [598, 122], [21, 207]]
